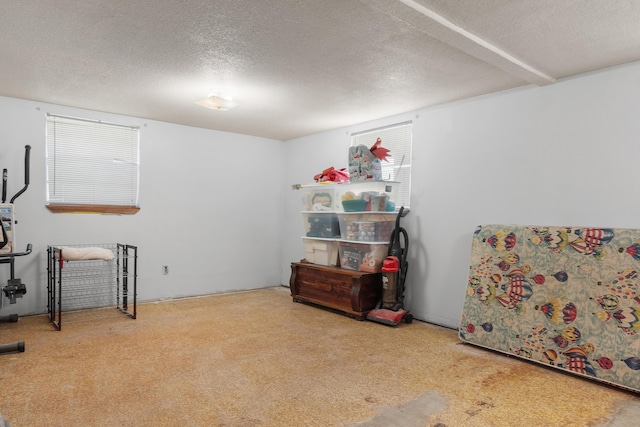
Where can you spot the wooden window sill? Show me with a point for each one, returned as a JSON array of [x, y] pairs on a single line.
[[94, 209]]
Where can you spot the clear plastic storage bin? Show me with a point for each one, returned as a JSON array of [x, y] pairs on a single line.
[[364, 195], [366, 226], [360, 256], [321, 224]]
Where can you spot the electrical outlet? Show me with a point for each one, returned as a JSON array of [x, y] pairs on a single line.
[[165, 270]]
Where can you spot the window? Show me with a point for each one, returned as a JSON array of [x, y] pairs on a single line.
[[397, 139], [92, 166]]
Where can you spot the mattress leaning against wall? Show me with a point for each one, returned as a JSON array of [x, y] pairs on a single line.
[[565, 297]]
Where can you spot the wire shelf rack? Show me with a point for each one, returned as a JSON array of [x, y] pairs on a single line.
[[74, 285]]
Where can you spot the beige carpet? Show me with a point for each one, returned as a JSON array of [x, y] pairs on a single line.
[[258, 359]]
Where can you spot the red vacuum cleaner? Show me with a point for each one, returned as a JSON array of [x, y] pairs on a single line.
[[390, 310]]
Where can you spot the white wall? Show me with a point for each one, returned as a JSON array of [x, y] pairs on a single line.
[[563, 154], [211, 208], [557, 155]]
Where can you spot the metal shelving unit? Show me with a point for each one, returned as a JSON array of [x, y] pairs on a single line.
[[89, 284]]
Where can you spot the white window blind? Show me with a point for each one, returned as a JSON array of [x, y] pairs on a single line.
[[397, 139], [91, 162]]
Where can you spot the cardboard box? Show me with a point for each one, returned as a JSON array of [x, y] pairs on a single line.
[[321, 251]]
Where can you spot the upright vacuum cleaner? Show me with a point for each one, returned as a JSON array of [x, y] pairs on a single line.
[[390, 310], [15, 288]]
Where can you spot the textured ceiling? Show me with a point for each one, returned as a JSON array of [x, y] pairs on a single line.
[[298, 67]]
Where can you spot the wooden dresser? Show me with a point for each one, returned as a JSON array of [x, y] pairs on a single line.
[[354, 293]]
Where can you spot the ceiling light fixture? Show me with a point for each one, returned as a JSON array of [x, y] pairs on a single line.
[[216, 102]]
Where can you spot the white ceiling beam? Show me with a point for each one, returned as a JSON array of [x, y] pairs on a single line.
[[463, 40]]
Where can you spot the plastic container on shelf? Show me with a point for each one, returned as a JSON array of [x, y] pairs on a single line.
[[319, 197], [321, 224], [367, 226], [361, 256], [321, 251], [366, 196]]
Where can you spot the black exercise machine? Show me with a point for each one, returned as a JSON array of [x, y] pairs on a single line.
[[14, 288]]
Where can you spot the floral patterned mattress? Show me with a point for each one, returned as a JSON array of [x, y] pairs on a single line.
[[566, 297]]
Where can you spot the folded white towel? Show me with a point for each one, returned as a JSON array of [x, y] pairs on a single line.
[[76, 254]]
